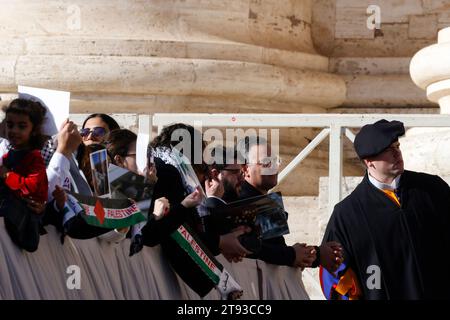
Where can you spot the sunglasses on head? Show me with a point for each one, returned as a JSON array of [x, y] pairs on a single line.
[[96, 132]]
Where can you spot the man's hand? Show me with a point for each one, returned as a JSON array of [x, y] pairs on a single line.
[[304, 255], [231, 248], [60, 197], [35, 206], [214, 187], [68, 139], [331, 256]]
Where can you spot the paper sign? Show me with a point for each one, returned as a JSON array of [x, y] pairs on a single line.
[[99, 168], [264, 213], [56, 102]]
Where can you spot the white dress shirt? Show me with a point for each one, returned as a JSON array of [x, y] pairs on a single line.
[[384, 186]]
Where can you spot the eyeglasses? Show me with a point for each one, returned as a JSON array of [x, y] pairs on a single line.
[[96, 132], [269, 162]]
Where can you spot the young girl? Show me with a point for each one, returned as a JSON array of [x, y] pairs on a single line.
[[23, 178], [23, 169]]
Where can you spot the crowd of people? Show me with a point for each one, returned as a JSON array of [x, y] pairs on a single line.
[[38, 172], [395, 222]]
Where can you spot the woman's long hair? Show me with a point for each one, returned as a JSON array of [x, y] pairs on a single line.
[[112, 124]]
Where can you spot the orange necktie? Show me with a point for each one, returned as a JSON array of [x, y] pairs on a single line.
[[391, 194]]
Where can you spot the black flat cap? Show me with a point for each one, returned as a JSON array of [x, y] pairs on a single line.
[[375, 138]]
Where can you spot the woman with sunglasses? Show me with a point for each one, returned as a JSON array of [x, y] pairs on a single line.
[[64, 170], [95, 128], [93, 131], [65, 151]]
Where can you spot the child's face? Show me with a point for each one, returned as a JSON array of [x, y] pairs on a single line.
[[18, 129]]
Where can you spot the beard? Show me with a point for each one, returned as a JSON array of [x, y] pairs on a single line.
[[269, 181]]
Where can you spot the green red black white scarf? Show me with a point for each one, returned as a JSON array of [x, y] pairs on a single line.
[[197, 251], [229, 289]]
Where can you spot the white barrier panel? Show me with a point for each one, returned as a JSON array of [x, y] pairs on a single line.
[[106, 272]]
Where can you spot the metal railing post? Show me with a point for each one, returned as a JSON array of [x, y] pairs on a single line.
[[303, 154], [335, 166], [145, 126]]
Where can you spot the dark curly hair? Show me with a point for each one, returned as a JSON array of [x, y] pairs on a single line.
[[36, 113], [164, 139]]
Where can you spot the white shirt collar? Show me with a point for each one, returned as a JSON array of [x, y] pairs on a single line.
[[384, 186]]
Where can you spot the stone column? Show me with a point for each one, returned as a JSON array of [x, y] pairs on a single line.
[[428, 149], [168, 55]]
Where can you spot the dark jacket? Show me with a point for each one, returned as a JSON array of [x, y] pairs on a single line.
[[155, 232], [407, 243]]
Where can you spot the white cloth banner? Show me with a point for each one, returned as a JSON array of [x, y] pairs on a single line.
[[107, 272]]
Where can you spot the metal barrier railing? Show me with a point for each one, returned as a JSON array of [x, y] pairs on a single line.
[[336, 126]]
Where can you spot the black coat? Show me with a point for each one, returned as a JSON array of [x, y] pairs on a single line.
[[155, 232], [409, 243], [169, 185], [216, 223]]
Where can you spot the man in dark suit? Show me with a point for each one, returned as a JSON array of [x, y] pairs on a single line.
[[221, 188], [261, 175]]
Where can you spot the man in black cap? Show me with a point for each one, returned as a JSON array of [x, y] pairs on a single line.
[[394, 226]]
